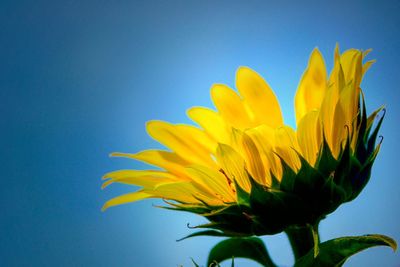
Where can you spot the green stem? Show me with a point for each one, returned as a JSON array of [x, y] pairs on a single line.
[[314, 230], [303, 239]]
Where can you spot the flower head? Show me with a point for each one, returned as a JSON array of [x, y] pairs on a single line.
[[245, 170]]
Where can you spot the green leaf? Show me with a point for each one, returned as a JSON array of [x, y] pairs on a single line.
[[336, 251], [372, 138], [249, 247]]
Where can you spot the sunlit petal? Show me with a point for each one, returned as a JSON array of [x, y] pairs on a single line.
[[187, 141], [309, 136], [233, 165], [127, 198], [256, 92], [211, 122], [230, 106], [312, 86], [287, 145]]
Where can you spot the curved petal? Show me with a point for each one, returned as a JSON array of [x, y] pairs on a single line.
[[230, 106], [259, 96], [336, 85], [309, 136], [185, 192], [127, 198], [166, 160], [248, 150], [264, 138], [148, 179], [211, 122], [351, 61], [367, 65], [187, 141], [337, 76], [312, 86], [216, 181], [233, 166], [345, 115], [286, 146]]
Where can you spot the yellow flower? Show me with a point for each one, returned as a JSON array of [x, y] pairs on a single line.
[[248, 172]]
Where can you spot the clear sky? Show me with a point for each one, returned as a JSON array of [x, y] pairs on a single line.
[[79, 79]]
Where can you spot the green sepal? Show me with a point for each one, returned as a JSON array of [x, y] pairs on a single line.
[[266, 201], [204, 233], [243, 198], [275, 183], [371, 118], [372, 138], [361, 179], [249, 247], [226, 228], [257, 191], [336, 251], [362, 129], [343, 169], [192, 208], [235, 220], [274, 209], [326, 162], [329, 198], [308, 180], [288, 177], [273, 215]]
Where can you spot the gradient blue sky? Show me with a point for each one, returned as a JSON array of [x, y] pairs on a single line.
[[79, 79]]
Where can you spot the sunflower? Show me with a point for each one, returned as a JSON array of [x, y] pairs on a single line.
[[245, 170]]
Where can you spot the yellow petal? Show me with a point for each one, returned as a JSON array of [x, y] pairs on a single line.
[[169, 161], [312, 86], [349, 99], [253, 159], [147, 179], [344, 119], [264, 138], [230, 106], [366, 52], [233, 165], [338, 130], [259, 96], [328, 106], [367, 65], [286, 146], [127, 198], [185, 192], [327, 111], [309, 136], [351, 61], [215, 181], [211, 122], [337, 76], [187, 141]]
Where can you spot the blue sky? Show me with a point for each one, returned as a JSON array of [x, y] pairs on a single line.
[[79, 79]]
